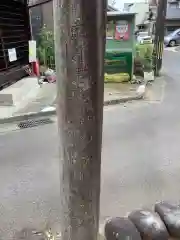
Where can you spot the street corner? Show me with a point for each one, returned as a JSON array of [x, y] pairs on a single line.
[[122, 92], [172, 49], [155, 91], [177, 49]]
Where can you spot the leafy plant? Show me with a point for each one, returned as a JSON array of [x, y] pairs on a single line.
[[46, 52], [144, 53], [45, 48]]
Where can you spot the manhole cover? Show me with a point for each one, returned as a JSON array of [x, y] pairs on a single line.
[[34, 123]]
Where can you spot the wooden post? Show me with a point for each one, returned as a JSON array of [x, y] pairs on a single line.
[[159, 36], [79, 27]]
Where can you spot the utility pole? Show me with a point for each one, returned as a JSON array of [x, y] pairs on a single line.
[[159, 36], [79, 27]]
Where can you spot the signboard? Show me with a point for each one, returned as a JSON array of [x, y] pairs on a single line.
[[122, 30], [32, 51], [118, 30], [12, 55]]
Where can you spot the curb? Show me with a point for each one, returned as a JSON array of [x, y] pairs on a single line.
[[177, 48], [140, 93], [33, 115], [122, 100], [27, 117]]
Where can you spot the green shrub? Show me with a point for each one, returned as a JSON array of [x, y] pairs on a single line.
[[45, 48], [144, 54], [46, 52]]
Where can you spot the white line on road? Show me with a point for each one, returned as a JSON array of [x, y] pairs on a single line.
[[170, 49], [47, 109]]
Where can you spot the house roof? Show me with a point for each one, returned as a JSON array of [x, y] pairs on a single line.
[[110, 8], [127, 5], [33, 3], [116, 13]]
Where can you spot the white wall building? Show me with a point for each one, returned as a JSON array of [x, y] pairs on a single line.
[[140, 8]]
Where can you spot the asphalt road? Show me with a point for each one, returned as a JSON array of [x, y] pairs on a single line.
[[140, 161], [171, 60]]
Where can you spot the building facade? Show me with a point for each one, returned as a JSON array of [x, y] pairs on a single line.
[[142, 12], [172, 14], [14, 37]]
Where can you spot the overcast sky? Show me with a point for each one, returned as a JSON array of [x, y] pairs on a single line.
[[120, 3]]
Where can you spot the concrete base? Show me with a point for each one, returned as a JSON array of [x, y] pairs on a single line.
[[20, 92], [148, 76]]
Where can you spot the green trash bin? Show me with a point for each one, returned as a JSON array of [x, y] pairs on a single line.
[[120, 44]]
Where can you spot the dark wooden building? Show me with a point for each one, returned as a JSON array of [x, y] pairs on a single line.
[[14, 37]]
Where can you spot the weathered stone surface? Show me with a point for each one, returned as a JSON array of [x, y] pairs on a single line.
[[121, 228], [149, 225], [170, 214], [30, 234]]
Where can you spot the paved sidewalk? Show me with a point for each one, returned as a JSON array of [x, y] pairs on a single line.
[[17, 96], [113, 94], [45, 100], [45, 97], [120, 92], [175, 49]]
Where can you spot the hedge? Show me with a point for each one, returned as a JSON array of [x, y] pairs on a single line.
[[144, 53]]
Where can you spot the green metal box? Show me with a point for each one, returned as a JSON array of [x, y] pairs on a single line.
[[120, 43]]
